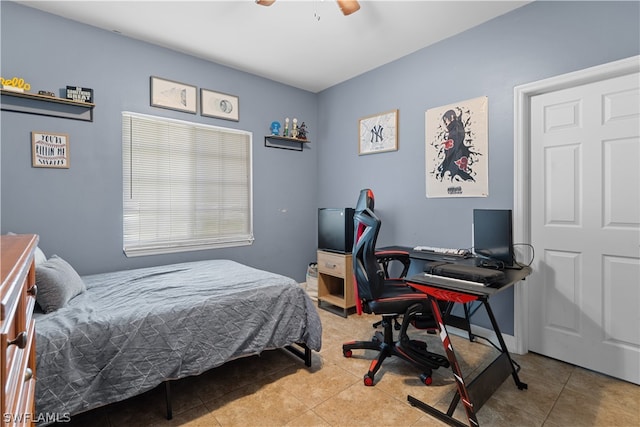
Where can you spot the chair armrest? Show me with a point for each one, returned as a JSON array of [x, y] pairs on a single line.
[[385, 257]]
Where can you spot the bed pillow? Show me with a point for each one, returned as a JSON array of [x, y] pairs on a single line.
[[39, 256], [57, 283]]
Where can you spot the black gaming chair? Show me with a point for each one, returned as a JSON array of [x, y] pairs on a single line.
[[366, 200], [378, 294]]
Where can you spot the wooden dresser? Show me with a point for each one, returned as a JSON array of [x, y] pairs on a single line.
[[17, 329]]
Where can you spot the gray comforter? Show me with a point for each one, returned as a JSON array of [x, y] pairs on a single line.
[[132, 330]]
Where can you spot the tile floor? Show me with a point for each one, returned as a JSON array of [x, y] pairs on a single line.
[[276, 389]]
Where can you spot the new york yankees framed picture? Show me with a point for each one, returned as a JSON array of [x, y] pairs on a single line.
[[378, 133]]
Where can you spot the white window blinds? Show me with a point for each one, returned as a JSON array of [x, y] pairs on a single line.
[[186, 186]]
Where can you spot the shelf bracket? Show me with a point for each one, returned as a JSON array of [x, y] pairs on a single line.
[[284, 143]]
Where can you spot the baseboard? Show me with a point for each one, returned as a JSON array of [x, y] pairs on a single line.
[[509, 340]]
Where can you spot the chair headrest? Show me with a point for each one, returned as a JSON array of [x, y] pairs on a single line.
[[366, 200]]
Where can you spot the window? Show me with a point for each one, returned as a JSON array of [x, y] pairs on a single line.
[[186, 186]]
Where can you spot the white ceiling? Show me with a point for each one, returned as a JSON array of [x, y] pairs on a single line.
[[308, 44]]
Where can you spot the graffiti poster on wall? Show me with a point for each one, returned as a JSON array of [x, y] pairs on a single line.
[[456, 149]]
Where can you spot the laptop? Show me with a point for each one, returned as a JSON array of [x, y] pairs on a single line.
[[470, 273]]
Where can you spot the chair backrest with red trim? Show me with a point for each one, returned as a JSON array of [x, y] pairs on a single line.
[[366, 200], [368, 275]]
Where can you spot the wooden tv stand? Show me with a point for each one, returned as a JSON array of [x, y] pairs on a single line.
[[335, 282]]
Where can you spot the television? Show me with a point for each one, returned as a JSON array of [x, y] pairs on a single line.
[[335, 229], [493, 236]]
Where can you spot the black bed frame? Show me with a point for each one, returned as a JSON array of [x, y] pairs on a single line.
[[303, 353]]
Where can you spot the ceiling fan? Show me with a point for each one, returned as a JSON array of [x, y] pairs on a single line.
[[346, 6]]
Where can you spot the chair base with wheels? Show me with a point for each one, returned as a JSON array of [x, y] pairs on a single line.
[[413, 351]]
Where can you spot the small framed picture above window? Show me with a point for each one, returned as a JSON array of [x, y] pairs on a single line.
[[49, 150], [173, 95], [219, 105]]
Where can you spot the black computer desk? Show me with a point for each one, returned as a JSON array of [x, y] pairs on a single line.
[[475, 393]]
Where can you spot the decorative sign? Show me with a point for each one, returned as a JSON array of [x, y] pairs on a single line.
[[50, 150], [15, 84], [80, 94]]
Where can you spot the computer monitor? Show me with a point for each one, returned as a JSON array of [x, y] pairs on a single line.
[[335, 229], [493, 235]]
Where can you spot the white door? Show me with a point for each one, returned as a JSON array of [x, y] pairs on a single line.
[[584, 293]]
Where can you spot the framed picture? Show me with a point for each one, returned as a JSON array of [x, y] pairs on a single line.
[[173, 95], [49, 150], [457, 149], [219, 105], [378, 133]]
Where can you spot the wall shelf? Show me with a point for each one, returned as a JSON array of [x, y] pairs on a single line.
[[284, 142], [43, 105]]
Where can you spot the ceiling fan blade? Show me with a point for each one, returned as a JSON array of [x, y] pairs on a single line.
[[348, 6]]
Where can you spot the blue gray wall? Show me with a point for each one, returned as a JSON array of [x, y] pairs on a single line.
[[77, 212], [537, 41]]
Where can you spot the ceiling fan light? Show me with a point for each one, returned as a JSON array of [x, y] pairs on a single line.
[[348, 6], [265, 2]]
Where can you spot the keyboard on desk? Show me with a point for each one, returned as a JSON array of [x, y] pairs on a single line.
[[459, 253]]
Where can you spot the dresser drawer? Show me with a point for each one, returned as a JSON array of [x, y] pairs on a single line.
[[17, 329], [21, 383], [333, 264]]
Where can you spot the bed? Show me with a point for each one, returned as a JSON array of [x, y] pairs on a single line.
[[130, 331]]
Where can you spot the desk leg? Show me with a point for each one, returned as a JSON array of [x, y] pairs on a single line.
[[459, 322], [503, 346], [467, 316], [457, 373]]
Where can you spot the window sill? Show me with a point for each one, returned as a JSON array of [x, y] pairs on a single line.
[[136, 251]]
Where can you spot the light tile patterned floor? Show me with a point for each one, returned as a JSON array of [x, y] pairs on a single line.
[[276, 389]]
